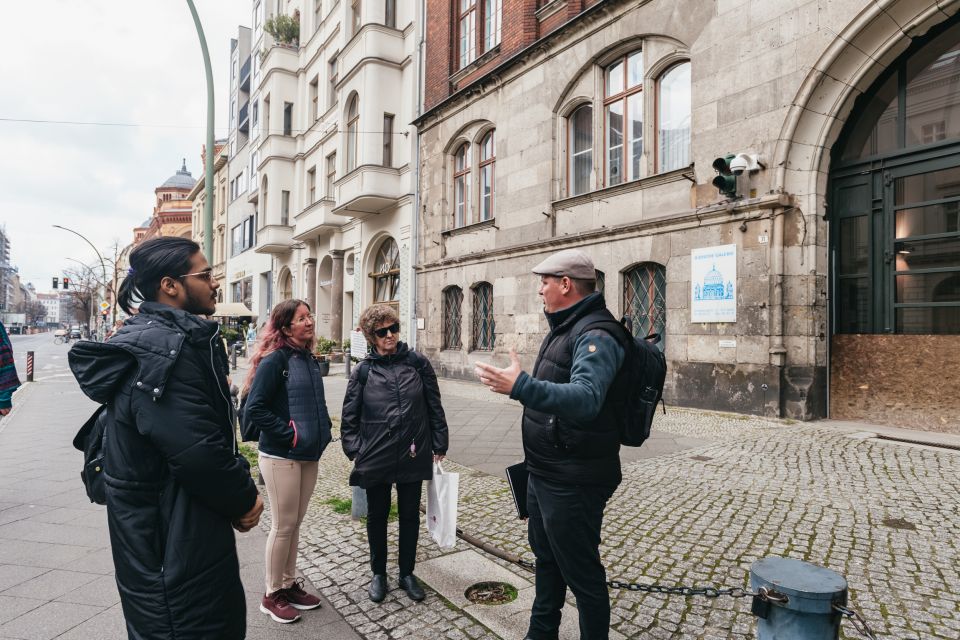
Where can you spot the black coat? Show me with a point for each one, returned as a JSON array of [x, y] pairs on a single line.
[[398, 407], [174, 481]]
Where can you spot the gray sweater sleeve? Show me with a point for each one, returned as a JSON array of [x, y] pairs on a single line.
[[597, 357]]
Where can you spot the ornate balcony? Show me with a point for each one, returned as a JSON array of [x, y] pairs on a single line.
[[368, 190]]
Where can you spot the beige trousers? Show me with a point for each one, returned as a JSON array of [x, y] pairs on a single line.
[[290, 485]]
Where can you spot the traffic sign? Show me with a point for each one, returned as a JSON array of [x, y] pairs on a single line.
[[104, 306]]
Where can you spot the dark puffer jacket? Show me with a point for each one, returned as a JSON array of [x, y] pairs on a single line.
[[398, 407], [174, 481], [286, 401]]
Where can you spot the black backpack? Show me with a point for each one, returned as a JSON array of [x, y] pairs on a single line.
[[644, 370], [90, 440], [250, 432]]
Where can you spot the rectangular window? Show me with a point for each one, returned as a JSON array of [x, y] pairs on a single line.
[[492, 12], [287, 118], [314, 94], [331, 175], [255, 113], [387, 140], [233, 113], [390, 13], [250, 232], [332, 81], [284, 207], [312, 185], [266, 116], [467, 31], [355, 18]]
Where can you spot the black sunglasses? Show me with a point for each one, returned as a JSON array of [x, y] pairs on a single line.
[[382, 333]]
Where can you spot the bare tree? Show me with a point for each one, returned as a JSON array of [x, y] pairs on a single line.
[[84, 285]]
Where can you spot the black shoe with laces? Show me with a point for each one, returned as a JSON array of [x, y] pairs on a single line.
[[378, 587], [411, 585]]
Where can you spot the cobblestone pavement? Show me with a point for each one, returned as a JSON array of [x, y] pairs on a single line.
[[752, 488]]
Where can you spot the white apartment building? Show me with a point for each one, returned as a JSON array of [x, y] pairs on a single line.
[[249, 274], [331, 156], [50, 302]]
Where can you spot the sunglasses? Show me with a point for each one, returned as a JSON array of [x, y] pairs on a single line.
[[203, 275], [382, 333]]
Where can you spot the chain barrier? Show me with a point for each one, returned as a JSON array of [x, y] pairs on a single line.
[[856, 620]]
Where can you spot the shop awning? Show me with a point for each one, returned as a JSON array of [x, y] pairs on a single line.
[[232, 310]]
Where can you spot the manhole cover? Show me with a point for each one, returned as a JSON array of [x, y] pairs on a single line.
[[899, 523], [491, 593]]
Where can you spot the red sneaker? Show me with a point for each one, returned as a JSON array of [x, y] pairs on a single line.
[[279, 608], [299, 598]]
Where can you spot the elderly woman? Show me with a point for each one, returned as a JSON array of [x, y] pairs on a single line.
[[392, 428]]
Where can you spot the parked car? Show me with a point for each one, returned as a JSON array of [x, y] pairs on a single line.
[[75, 334]]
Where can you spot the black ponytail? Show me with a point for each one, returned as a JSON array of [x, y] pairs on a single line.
[[151, 262]]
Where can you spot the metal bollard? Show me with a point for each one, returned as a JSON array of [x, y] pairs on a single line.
[[347, 361], [359, 508], [233, 356], [800, 600], [29, 366]]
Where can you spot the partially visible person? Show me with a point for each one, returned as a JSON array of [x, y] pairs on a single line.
[[9, 381], [393, 428], [571, 442], [284, 391], [251, 338], [176, 485]]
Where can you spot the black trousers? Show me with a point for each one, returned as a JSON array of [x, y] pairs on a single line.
[[564, 533], [408, 509]]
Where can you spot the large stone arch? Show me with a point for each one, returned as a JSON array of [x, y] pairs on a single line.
[[854, 59]]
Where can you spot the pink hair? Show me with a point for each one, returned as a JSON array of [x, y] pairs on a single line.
[[271, 337]]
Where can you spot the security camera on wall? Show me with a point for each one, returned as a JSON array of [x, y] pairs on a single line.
[[748, 162]]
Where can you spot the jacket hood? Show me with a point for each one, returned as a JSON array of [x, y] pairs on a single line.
[[100, 368], [145, 348]]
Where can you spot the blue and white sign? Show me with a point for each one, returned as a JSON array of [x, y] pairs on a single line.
[[713, 284]]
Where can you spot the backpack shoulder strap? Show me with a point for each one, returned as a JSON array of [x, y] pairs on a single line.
[[603, 322], [363, 372]]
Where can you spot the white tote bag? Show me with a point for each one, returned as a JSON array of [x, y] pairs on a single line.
[[442, 495]]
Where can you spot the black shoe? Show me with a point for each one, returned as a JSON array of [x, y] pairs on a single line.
[[411, 585], [378, 587]]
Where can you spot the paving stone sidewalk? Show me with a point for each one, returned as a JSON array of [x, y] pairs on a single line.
[[723, 492], [56, 569]]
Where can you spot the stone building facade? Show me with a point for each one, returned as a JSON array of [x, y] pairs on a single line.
[[613, 126], [331, 173]]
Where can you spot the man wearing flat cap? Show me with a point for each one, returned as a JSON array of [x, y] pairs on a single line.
[[571, 441]]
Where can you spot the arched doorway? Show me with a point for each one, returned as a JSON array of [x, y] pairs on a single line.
[[284, 285], [894, 219]]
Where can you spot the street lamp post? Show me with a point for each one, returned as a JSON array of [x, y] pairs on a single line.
[[208, 184], [103, 265]]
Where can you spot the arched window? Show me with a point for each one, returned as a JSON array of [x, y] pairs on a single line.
[[673, 118], [623, 118], [483, 323], [353, 121], [579, 150], [386, 273], [452, 317], [488, 157], [645, 299], [461, 185]]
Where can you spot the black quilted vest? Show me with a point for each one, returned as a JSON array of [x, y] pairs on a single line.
[[559, 448]]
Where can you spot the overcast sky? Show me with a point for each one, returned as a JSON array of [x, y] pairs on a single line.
[[128, 62]]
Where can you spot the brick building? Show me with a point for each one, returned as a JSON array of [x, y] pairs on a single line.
[[824, 279]]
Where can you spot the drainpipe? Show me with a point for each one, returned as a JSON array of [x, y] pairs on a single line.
[[415, 222], [778, 353]]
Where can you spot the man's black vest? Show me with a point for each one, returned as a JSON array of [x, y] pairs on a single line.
[[559, 448]]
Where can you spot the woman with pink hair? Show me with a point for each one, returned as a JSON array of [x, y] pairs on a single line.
[[285, 400]]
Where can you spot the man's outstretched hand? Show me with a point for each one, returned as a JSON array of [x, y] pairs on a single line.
[[499, 380], [251, 518]]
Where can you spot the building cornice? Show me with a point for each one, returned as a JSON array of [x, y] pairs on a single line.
[[712, 214]]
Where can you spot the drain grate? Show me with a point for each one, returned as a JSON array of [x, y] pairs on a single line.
[[938, 445], [491, 593], [899, 523]]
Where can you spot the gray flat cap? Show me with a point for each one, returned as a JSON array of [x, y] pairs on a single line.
[[572, 263]]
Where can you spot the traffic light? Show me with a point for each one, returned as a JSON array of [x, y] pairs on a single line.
[[66, 282], [56, 282], [725, 182]]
